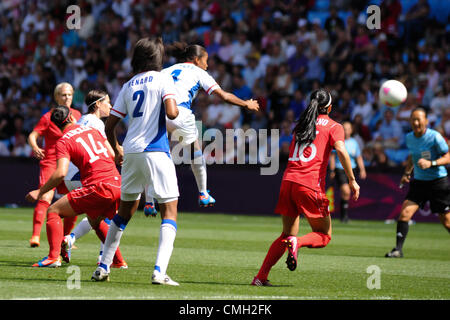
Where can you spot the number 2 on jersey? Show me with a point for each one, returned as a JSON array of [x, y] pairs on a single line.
[[139, 96], [93, 154]]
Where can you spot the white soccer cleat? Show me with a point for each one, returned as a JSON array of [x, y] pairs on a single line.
[[158, 278], [100, 274]]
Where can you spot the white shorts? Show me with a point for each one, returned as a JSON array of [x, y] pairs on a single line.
[[153, 172], [183, 126]]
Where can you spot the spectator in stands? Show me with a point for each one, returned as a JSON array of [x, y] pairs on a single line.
[[333, 23], [251, 72], [20, 148], [415, 21], [363, 107], [390, 133]]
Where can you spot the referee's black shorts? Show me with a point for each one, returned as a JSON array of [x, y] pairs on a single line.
[[341, 177], [436, 191]]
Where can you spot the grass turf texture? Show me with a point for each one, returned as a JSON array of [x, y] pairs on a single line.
[[216, 257]]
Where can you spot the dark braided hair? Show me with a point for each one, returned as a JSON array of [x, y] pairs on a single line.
[[60, 116], [305, 129], [184, 52]]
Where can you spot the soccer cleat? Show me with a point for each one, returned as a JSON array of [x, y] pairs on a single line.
[[394, 254], [150, 210], [261, 283], [100, 274], [34, 241], [120, 265], [66, 248], [205, 199], [158, 278], [48, 263], [291, 261]]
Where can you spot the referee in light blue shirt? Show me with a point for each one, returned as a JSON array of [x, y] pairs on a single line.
[[429, 153]]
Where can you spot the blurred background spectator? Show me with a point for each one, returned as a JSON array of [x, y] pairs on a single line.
[[273, 51]]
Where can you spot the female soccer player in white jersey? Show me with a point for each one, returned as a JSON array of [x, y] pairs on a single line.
[[99, 106], [146, 161], [189, 77]]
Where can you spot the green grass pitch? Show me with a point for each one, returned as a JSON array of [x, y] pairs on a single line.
[[216, 257]]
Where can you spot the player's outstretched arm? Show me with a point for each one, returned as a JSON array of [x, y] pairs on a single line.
[[251, 104], [344, 158]]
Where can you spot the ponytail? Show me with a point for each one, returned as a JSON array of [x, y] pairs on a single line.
[[184, 52], [305, 129]]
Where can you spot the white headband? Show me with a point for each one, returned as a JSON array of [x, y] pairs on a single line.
[[329, 102], [97, 100]]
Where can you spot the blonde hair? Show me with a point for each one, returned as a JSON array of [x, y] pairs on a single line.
[[59, 86]]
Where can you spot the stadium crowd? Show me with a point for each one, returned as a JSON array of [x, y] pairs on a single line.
[[274, 51]]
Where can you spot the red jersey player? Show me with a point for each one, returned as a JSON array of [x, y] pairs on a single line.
[[63, 95], [100, 194], [303, 185]]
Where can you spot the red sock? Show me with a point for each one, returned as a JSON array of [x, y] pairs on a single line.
[[101, 232], [39, 216], [274, 254], [313, 240], [69, 223], [55, 234]]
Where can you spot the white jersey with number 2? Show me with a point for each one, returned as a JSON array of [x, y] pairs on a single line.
[[141, 99]]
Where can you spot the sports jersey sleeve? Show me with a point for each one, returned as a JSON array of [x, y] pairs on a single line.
[[208, 83], [167, 87], [336, 134], [42, 125], [441, 144], [120, 109], [61, 150]]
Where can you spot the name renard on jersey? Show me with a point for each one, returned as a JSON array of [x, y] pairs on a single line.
[[143, 80], [76, 131]]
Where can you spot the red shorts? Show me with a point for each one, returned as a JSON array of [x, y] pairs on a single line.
[[295, 199], [101, 199], [45, 172]]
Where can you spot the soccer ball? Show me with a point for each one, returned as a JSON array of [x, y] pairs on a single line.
[[392, 93]]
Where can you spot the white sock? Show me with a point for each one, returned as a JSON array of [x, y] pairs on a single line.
[[198, 167], [167, 234], [81, 229], [112, 241]]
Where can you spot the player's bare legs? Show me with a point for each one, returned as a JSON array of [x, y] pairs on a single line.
[[445, 220], [290, 225], [409, 208]]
